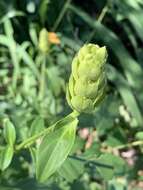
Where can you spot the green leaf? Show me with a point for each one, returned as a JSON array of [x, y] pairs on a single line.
[[55, 148], [43, 10], [37, 126], [71, 169], [108, 159], [105, 172], [117, 185], [11, 14], [139, 135], [56, 83], [33, 34], [79, 144], [33, 153], [4, 40], [92, 152], [113, 141], [6, 155], [134, 18], [9, 132], [8, 28], [28, 60], [126, 93]]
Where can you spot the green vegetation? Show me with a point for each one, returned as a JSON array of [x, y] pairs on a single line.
[[44, 144]]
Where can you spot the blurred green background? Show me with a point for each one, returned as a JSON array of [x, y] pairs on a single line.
[[32, 85]]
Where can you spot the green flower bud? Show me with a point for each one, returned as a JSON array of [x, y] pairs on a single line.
[[43, 41], [87, 82]]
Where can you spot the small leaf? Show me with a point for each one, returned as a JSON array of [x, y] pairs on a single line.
[[55, 148], [6, 155], [118, 185], [139, 135], [116, 166], [9, 132], [43, 10], [71, 169], [126, 93], [37, 126]]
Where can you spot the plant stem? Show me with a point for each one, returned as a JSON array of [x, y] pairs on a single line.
[[128, 145], [103, 13], [42, 79], [16, 67], [61, 15], [32, 139], [91, 162], [100, 18], [75, 114]]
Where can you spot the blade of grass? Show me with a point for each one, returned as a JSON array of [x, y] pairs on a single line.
[[61, 15], [126, 93], [12, 49]]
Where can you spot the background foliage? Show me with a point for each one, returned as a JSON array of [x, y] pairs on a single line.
[[34, 87]]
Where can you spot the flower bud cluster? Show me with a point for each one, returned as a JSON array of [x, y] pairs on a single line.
[[87, 82]]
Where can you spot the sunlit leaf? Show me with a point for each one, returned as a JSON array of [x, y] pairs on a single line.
[[6, 155], [36, 126], [9, 132], [54, 149], [116, 163], [71, 169]]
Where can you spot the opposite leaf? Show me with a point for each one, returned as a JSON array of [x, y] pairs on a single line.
[[6, 155], [9, 132], [36, 126], [54, 149]]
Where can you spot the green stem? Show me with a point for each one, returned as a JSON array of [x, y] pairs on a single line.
[[75, 114], [61, 15], [100, 18], [103, 13], [32, 139], [42, 79], [132, 144], [16, 68], [91, 162]]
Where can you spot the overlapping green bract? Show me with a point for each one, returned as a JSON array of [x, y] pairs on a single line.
[[87, 82]]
